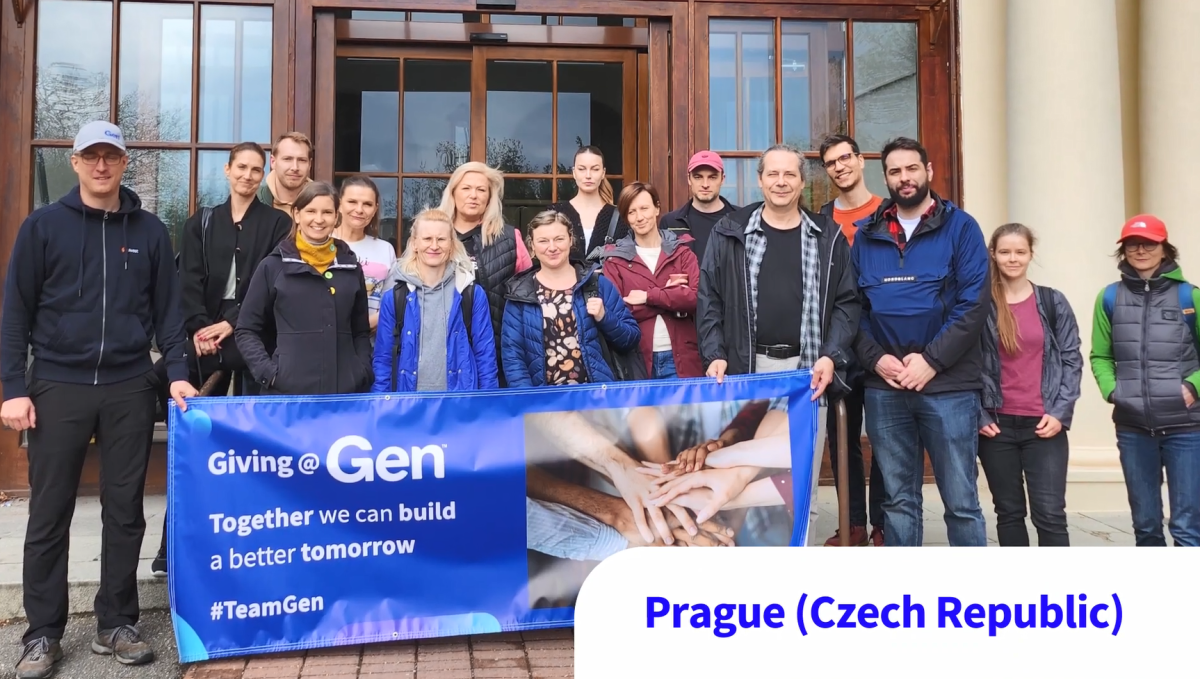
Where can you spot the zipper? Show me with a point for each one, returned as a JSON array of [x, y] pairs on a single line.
[[749, 322], [103, 293], [1145, 380]]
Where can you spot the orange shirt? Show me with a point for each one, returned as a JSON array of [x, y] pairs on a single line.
[[846, 218]]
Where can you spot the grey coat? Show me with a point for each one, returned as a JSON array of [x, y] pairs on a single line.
[[1062, 361]]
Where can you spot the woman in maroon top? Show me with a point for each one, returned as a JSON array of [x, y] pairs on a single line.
[[1032, 368]]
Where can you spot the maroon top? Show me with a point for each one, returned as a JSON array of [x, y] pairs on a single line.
[[1021, 374]]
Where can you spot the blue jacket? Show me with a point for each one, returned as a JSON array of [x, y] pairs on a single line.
[[470, 365], [931, 299], [522, 343]]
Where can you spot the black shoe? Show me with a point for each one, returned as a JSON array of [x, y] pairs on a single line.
[[125, 644], [158, 567], [38, 658]]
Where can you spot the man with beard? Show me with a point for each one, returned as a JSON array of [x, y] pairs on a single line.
[[291, 158], [922, 269], [706, 207], [844, 164]]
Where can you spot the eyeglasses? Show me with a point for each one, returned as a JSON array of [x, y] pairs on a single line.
[[91, 157], [843, 159], [1144, 246]]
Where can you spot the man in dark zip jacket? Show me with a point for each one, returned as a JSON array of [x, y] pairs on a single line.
[[776, 288], [705, 207], [922, 271], [90, 281]]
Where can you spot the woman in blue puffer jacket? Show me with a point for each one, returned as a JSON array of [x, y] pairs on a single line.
[[443, 339], [556, 312]]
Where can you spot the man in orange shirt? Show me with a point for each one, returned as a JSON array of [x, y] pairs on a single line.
[[844, 165]]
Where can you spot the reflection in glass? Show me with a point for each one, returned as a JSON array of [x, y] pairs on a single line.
[[885, 83], [74, 73], [520, 116], [818, 187], [523, 199], [589, 112], [512, 19], [53, 177], [160, 179], [741, 79], [418, 195], [367, 111], [155, 72], [235, 73], [437, 115], [212, 187], [741, 181], [873, 176], [813, 70]]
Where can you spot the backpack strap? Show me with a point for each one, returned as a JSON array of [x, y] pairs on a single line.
[[612, 228], [399, 300], [1188, 305], [467, 304], [1110, 300], [205, 218], [1046, 297]]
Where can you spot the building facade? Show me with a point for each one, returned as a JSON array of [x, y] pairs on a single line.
[[1048, 112]]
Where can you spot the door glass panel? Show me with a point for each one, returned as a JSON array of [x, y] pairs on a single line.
[[813, 66], [885, 83], [419, 194], [155, 97], [523, 199], [520, 116], [437, 115], [72, 84], [818, 188], [741, 81], [160, 179], [52, 175], [368, 115], [590, 112], [387, 207], [741, 181], [235, 73]]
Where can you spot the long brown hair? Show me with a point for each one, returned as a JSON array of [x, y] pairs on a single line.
[[605, 188], [1006, 322]]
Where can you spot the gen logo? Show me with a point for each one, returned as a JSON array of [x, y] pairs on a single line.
[[391, 464]]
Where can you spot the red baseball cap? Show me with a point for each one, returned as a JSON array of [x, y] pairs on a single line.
[[1144, 226], [706, 159]]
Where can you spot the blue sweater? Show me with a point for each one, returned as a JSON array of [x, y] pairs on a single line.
[[522, 341]]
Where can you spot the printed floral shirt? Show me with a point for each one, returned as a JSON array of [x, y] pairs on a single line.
[[560, 332]]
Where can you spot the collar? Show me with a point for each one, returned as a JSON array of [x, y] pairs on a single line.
[[755, 222], [893, 211]]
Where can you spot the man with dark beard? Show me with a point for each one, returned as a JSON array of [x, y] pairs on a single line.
[[923, 266]]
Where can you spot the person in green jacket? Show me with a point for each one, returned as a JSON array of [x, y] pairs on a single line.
[[1146, 359]]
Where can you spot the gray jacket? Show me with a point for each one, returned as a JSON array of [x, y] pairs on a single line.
[[1062, 361]]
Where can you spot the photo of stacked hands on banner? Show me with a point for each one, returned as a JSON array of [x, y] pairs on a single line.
[[701, 475]]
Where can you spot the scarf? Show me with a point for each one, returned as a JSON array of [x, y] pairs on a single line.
[[810, 263], [319, 257]]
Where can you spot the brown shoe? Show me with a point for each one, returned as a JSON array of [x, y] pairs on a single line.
[[125, 644], [877, 536], [858, 537], [38, 658]]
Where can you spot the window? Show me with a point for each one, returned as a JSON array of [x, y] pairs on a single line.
[[191, 81], [780, 80]]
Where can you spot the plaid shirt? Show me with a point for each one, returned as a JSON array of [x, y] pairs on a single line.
[[892, 215]]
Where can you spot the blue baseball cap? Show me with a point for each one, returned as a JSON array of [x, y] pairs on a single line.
[[99, 132]]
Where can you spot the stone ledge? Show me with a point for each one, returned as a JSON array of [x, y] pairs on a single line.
[[81, 594]]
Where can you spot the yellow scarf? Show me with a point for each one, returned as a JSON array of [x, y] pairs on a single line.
[[320, 257]]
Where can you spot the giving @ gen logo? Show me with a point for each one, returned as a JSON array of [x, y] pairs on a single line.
[[390, 464]]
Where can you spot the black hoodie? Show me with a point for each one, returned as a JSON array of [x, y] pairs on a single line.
[[87, 289]]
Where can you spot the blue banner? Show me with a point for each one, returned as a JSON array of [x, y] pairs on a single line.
[[299, 523]]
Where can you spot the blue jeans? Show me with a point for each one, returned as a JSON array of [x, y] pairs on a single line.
[[901, 426], [664, 366], [1143, 458]]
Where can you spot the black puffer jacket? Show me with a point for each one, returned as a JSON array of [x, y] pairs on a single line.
[[317, 324]]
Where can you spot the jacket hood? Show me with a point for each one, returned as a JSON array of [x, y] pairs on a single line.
[[626, 248], [461, 273], [130, 202], [523, 287], [1168, 270]]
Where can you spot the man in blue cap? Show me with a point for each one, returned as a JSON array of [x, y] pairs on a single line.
[[91, 279]]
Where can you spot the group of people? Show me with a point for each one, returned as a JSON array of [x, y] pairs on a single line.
[[896, 304]]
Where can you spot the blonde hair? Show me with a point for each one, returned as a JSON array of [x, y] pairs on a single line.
[[458, 254], [298, 137], [493, 215]]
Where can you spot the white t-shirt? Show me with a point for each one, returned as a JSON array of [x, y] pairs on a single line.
[[909, 226], [376, 258], [662, 339]]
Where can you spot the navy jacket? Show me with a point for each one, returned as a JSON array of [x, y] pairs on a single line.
[[87, 290], [470, 363], [522, 342], [933, 298]]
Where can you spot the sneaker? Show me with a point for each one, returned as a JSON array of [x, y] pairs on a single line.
[[125, 644], [858, 537], [877, 536], [158, 567], [38, 658]]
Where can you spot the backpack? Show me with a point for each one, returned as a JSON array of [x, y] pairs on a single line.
[[626, 366], [1186, 304], [609, 238], [466, 303]]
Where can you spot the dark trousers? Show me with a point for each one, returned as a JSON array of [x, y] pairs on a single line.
[[121, 417], [1017, 459], [858, 486]]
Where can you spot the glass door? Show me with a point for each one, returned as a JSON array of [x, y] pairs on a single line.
[[408, 116]]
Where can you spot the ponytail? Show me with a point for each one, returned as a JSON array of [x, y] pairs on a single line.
[[1006, 322], [606, 191]]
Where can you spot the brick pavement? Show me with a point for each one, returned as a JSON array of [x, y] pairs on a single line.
[[544, 654]]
